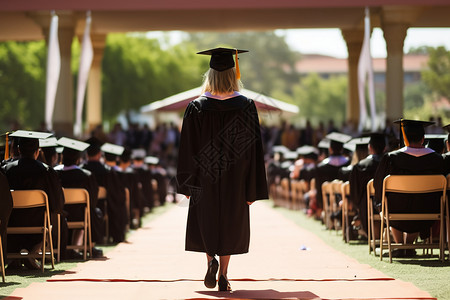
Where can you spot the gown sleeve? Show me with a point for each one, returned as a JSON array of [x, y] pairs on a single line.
[[256, 181], [187, 179], [382, 171]]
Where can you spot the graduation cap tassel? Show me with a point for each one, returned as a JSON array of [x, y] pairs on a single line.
[[6, 147], [238, 72], [405, 139]]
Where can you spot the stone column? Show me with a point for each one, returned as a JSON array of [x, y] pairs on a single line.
[[354, 40], [395, 21], [94, 90]]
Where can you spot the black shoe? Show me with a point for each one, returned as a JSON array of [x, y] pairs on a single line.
[[224, 284], [398, 253], [97, 253], [210, 277]]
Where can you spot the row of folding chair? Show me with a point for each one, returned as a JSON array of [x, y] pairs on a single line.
[[409, 184], [289, 193]]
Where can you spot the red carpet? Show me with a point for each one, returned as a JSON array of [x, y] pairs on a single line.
[[154, 265]]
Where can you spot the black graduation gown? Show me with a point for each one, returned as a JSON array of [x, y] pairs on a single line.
[[221, 167], [361, 174], [81, 178], [131, 181], [30, 174], [326, 172], [400, 163], [145, 177], [116, 203], [6, 205]]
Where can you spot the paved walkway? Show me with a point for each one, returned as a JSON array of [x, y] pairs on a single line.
[[154, 265]]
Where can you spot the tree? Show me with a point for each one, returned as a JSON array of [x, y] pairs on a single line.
[[322, 99], [437, 76], [22, 84]]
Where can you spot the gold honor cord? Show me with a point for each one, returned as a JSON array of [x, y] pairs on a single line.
[[6, 147], [238, 72], [405, 139]]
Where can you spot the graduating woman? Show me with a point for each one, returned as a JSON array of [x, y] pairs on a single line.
[[220, 166]]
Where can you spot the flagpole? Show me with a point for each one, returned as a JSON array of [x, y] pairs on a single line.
[[53, 70], [86, 57]]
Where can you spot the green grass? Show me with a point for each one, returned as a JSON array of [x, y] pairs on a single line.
[[428, 274], [22, 278]]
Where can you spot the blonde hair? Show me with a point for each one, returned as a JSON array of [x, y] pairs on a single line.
[[221, 82]]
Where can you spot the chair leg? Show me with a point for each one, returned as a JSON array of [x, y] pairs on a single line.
[[1, 258]]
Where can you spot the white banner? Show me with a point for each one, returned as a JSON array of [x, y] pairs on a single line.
[[53, 70], [86, 57], [365, 75]]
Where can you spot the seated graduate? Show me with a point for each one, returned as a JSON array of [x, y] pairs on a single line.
[[328, 169], [73, 176], [27, 173], [115, 190], [361, 174], [145, 177], [132, 182], [446, 151], [413, 159], [160, 175], [6, 204], [358, 150], [49, 154], [436, 142]]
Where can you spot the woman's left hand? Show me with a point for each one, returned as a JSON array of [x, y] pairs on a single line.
[[250, 203]]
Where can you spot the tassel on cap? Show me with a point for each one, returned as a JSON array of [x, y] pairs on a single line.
[[238, 71]]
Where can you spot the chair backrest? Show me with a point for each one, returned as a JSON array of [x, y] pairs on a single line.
[[76, 196], [412, 184], [370, 189], [448, 181], [102, 192], [29, 198], [336, 186]]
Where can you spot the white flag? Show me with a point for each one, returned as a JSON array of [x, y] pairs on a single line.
[[365, 75], [87, 54], [53, 70]]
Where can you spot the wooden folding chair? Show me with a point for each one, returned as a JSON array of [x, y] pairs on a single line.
[[102, 194], [286, 197], [412, 184], [447, 216], [346, 214], [1, 257], [326, 200], [371, 219], [336, 190], [80, 196], [32, 199]]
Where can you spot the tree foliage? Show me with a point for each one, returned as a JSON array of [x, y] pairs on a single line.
[[322, 99], [136, 71], [437, 76], [22, 84]]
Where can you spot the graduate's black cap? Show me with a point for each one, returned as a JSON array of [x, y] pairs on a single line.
[[435, 142], [338, 137], [413, 125], [48, 142], [94, 146], [446, 128], [222, 58], [72, 144], [355, 143], [112, 149]]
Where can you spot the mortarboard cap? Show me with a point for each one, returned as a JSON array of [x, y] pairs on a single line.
[[280, 149], [30, 134], [435, 142], [306, 149], [49, 142], [112, 149], [151, 160], [222, 58], [73, 144], [324, 144], [408, 127], [446, 128], [290, 155], [338, 137], [357, 143], [138, 154]]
